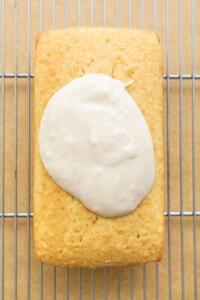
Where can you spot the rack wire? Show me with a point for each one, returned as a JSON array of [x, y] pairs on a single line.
[[177, 275]]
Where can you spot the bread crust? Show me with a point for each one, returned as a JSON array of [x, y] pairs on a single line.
[[66, 234]]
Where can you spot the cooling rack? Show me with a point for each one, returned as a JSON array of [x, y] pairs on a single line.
[[177, 275]]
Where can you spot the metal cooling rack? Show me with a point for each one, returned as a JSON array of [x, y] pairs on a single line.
[[154, 281]]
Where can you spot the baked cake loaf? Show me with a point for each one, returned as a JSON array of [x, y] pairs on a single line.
[[66, 233]]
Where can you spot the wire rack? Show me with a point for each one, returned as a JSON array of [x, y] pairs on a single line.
[[177, 275]]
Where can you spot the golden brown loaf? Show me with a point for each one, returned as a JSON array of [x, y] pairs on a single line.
[[66, 233]]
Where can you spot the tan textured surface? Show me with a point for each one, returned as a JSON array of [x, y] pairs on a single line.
[[31, 277], [66, 233]]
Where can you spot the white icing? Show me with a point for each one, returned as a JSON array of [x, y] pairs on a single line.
[[95, 143]]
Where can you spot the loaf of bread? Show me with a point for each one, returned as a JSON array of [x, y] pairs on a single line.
[[67, 234]]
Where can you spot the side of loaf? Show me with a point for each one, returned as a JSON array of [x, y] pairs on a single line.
[[66, 234]]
